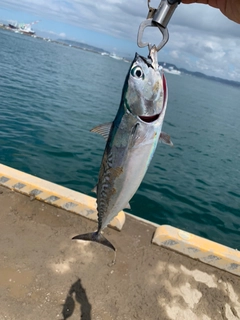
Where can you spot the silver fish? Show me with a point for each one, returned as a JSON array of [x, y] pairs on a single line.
[[131, 141]]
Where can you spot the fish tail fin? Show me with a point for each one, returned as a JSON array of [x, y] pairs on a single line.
[[96, 237]]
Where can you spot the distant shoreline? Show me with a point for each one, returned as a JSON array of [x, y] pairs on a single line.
[[86, 47], [50, 40]]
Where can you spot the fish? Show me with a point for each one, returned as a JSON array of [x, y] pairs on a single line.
[[131, 140]]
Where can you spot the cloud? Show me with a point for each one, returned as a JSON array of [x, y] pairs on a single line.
[[204, 40], [201, 38], [211, 53]]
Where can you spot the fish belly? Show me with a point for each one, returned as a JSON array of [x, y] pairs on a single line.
[[125, 184]]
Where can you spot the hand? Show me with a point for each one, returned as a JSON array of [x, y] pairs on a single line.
[[230, 8]]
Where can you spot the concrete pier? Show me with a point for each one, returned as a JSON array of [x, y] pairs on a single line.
[[46, 275]]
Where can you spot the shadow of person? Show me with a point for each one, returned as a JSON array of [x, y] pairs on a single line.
[[77, 294]]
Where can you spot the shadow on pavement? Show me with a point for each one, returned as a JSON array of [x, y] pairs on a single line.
[[77, 294]]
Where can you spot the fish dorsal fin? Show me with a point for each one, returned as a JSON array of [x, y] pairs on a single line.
[[103, 129], [165, 138]]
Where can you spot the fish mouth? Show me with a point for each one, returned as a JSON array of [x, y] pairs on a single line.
[[149, 118], [154, 117]]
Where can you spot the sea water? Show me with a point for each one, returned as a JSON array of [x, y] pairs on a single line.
[[52, 95]]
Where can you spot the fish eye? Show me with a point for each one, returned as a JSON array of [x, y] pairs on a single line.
[[137, 72]]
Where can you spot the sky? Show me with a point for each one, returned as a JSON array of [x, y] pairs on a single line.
[[201, 38]]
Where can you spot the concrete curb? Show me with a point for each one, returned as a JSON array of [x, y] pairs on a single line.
[[54, 194], [166, 236], [198, 248]]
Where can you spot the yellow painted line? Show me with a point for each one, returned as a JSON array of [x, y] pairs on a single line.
[[54, 194], [196, 247], [169, 237]]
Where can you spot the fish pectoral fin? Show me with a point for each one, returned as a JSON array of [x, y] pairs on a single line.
[[96, 237], [94, 189], [165, 138], [103, 129], [127, 206]]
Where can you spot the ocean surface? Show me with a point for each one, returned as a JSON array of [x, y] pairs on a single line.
[[52, 95]]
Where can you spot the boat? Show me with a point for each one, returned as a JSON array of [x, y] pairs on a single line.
[[23, 28], [114, 56], [171, 70], [12, 26], [26, 29]]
